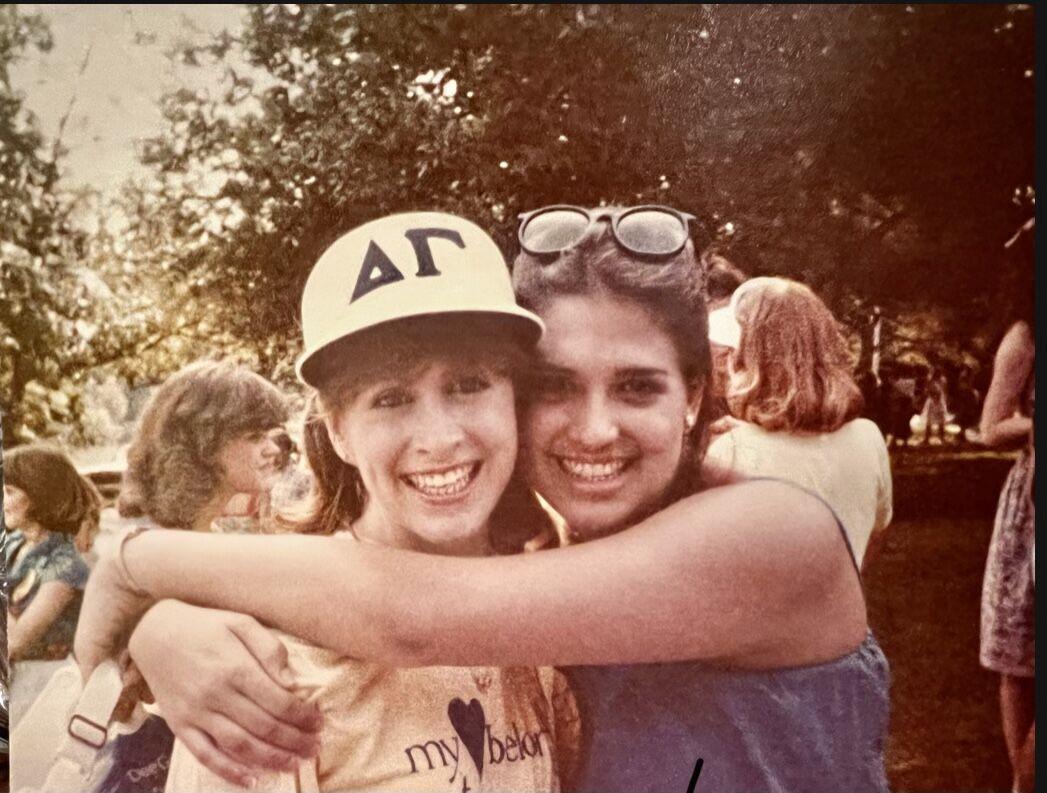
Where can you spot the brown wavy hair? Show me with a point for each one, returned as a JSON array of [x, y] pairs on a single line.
[[672, 291], [338, 495], [172, 470], [792, 371], [60, 498]]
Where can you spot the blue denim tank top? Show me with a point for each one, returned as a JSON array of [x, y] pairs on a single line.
[[805, 729]]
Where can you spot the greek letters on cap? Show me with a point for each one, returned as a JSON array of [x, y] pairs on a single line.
[[379, 270]]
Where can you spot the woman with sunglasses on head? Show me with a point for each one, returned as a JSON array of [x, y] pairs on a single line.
[[726, 626]]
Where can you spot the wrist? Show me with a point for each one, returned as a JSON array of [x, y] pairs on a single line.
[[122, 562]]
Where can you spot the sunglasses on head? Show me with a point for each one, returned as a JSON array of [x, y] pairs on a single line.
[[649, 230]]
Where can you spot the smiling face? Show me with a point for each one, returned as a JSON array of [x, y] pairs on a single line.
[[605, 429], [435, 447], [250, 463]]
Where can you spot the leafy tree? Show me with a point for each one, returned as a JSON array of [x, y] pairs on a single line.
[[35, 241], [870, 150]]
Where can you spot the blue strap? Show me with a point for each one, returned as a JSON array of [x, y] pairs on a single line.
[[839, 523]]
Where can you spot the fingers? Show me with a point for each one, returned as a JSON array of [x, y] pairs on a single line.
[[216, 761], [265, 647], [269, 685], [274, 734], [240, 746]]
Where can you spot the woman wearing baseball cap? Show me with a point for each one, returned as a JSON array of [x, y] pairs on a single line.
[[413, 340], [749, 590]]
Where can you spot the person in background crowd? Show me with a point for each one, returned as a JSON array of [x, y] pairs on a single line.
[[5, 667], [204, 436], [774, 678], [873, 392], [51, 512], [792, 390], [967, 402], [721, 279], [248, 511], [935, 406], [1008, 629], [898, 401]]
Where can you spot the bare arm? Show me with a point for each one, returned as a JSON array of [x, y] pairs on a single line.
[[1011, 369], [754, 572], [41, 613]]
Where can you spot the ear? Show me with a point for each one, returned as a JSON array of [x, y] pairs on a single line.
[[339, 438]]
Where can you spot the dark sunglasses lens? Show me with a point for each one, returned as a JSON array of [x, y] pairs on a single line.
[[554, 230], [652, 231]]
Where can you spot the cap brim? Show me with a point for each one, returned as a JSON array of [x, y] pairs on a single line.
[[314, 366], [724, 328]]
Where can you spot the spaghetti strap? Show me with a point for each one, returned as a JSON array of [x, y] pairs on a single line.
[[839, 523]]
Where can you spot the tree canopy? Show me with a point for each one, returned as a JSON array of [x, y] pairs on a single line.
[[874, 151]]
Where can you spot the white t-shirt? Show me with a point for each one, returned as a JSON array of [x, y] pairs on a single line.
[[849, 468], [420, 729]]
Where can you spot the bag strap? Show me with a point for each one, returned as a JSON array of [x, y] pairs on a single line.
[[307, 781], [87, 731]]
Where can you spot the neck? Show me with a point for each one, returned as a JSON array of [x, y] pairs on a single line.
[[34, 533], [210, 511], [374, 527]]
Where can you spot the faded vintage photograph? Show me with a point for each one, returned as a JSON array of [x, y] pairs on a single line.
[[527, 398]]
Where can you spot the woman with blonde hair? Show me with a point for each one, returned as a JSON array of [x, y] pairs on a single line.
[[798, 406]]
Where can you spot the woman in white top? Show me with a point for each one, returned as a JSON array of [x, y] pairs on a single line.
[[796, 405]]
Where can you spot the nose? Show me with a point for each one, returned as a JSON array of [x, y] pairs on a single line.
[[594, 424], [438, 430]]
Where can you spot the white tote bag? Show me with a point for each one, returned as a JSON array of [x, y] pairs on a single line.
[[59, 745]]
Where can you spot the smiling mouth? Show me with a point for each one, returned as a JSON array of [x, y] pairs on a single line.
[[444, 483], [593, 471]]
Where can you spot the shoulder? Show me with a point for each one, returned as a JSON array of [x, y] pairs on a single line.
[[763, 518], [865, 431], [1017, 346], [64, 563]]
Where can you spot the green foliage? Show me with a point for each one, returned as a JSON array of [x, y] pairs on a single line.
[[38, 295], [870, 150]]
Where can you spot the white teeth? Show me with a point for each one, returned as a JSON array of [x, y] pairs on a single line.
[[594, 472], [444, 483]]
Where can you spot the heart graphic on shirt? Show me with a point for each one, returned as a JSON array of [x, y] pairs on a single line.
[[469, 722]]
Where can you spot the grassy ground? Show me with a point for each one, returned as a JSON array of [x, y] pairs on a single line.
[[923, 597]]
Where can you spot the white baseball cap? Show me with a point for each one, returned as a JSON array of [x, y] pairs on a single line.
[[414, 264], [723, 322]]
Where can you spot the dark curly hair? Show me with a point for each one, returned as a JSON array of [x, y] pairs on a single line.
[[172, 471]]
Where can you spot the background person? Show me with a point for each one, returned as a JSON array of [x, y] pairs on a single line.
[[51, 513], [204, 436], [1008, 630], [799, 408]]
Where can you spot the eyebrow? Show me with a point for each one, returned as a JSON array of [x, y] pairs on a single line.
[[546, 368], [640, 371]]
